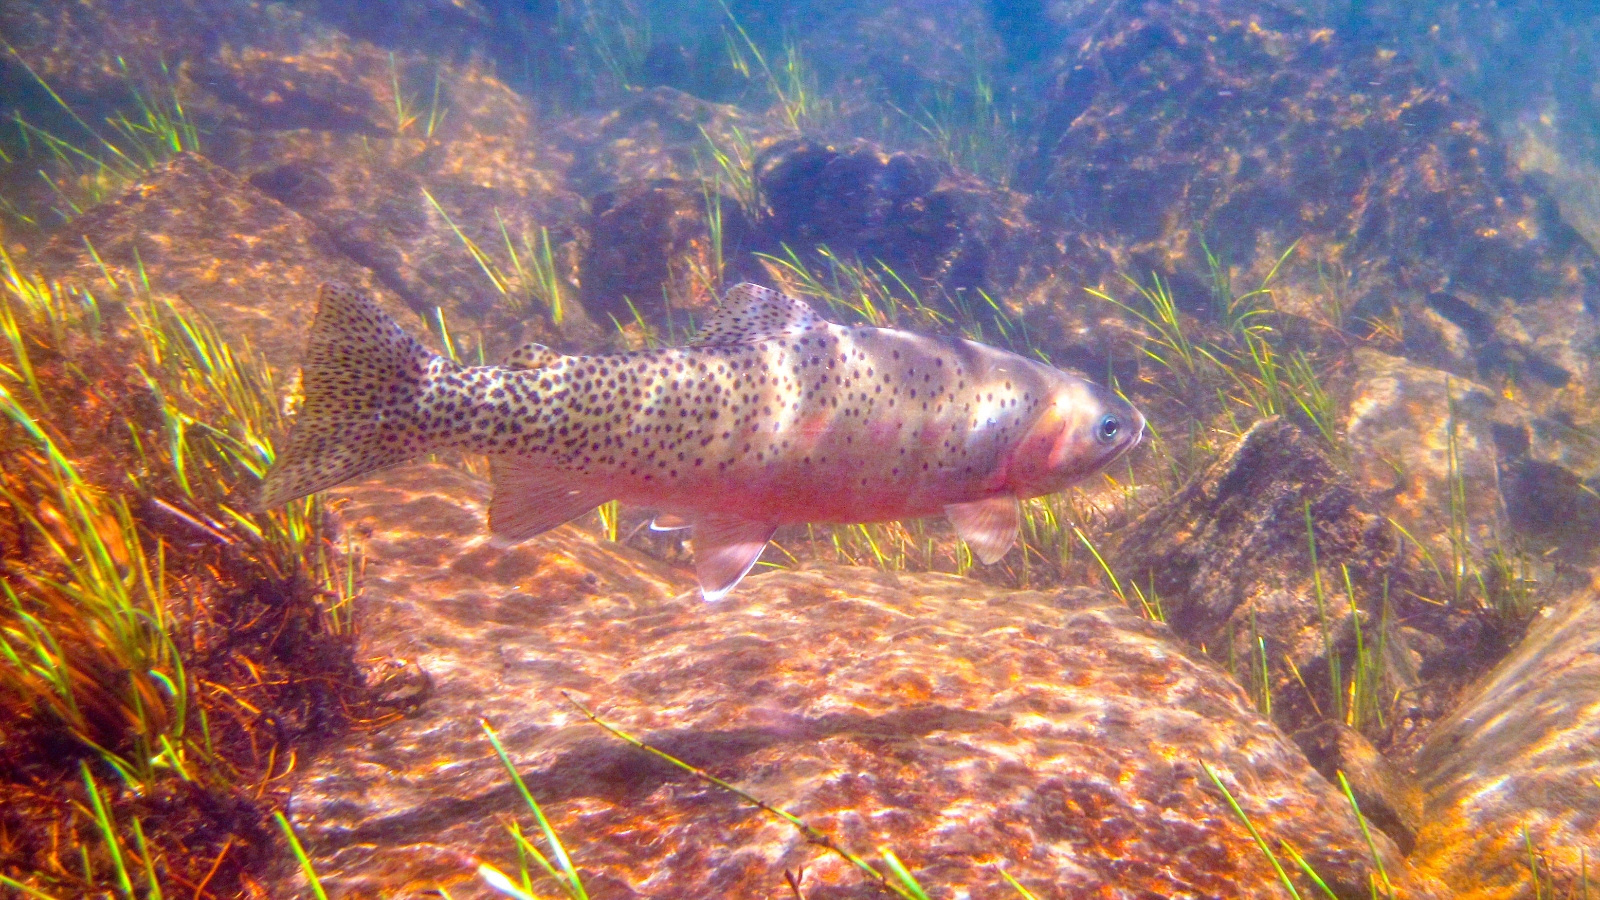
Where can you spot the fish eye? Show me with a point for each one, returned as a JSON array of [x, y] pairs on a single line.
[[1107, 429]]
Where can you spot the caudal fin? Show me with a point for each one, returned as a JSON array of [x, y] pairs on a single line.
[[362, 377]]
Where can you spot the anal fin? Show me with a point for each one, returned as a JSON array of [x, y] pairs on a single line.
[[725, 547], [989, 526], [530, 500]]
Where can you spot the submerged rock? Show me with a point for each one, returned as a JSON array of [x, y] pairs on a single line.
[[1454, 464], [658, 133], [192, 229], [949, 236], [1423, 440], [404, 195], [1230, 558], [1387, 796], [1256, 126], [1515, 767], [965, 727], [652, 250]]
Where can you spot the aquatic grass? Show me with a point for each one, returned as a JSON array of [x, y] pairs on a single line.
[[849, 290], [533, 276], [970, 129], [555, 861], [1366, 835], [1512, 583], [707, 264], [540, 275], [95, 604], [300, 856], [1363, 701], [148, 131], [1240, 314], [129, 465], [616, 34], [1499, 577], [1255, 833], [199, 378], [406, 111], [1221, 378], [793, 86], [852, 290], [1261, 671], [1319, 592], [1174, 349], [735, 161], [1380, 884], [1149, 605]]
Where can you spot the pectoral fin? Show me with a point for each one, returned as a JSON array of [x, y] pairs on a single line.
[[530, 500], [725, 547], [988, 526], [669, 522]]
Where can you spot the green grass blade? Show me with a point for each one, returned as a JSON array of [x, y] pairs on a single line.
[[1261, 842], [108, 831], [1372, 847], [568, 875], [300, 854], [902, 875]]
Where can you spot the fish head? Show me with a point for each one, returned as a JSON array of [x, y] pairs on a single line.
[[1082, 431]]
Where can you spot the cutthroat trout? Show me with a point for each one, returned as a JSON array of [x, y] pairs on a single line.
[[771, 416]]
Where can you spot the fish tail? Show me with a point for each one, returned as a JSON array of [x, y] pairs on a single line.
[[363, 378]]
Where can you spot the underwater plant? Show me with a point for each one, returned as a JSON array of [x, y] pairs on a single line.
[[100, 161], [150, 618]]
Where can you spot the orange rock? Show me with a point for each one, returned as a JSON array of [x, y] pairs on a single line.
[[961, 725]]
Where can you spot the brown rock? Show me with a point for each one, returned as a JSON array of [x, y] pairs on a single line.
[[948, 235], [1518, 476], [76, 47], [1419, 436], [1388, 797], [650, 245], [368, 183], [247, 262], [1516, 765], [1255, 127], [961, 725], [1230, 558]]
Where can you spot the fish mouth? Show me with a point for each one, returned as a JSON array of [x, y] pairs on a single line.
[[1138, 433]]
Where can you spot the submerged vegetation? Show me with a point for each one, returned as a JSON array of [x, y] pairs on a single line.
[[165, 650], [101, 160]]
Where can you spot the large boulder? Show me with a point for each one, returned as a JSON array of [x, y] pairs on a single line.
[[194, 230], [1469, 473], [1512, 778], [1056, 734], [1255, 127], [444, 203], [1230, 559], [656, 251], [948, 235]]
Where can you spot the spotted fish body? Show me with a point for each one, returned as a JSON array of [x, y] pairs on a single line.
[[771, 416]]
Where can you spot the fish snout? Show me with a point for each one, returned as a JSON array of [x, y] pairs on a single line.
[[1094, 431]]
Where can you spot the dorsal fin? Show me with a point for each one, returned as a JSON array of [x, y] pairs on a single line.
[[532, 355], [753, 313]]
